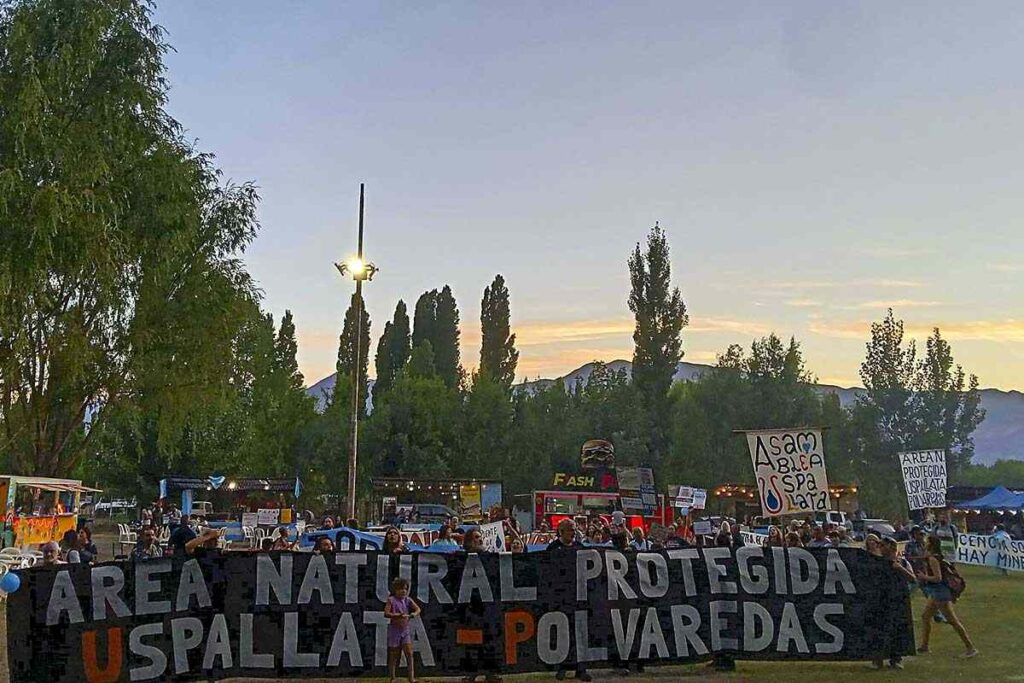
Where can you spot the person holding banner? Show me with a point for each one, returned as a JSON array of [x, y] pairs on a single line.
[[566, 542], [940, 598], [889, 550]]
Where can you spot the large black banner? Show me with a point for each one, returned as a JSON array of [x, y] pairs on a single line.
[[285, 614]]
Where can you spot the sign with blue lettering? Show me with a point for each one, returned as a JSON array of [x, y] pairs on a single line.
[[789, 467]]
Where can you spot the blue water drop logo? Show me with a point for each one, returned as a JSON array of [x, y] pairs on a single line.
[[771, 501]]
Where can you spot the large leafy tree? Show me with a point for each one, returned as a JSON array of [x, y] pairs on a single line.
[[949, 404], [119, 271], [888, 372], [498, 354]]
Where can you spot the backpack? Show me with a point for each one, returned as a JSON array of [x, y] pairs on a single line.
[[952, 578]]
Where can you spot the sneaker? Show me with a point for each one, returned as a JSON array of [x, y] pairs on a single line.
[[973, 652], [560, 675], [622, 672], [584, 676], [939, 619], [895, 665]]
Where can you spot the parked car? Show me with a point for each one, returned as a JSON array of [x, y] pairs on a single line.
[[430, 513]]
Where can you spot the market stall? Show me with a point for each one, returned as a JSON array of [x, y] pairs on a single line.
[[249, 501], [38, 509]]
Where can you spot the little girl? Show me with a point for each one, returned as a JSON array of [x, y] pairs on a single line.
[[399, 608]]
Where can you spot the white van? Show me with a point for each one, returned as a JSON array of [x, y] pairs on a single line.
[[833, 517], [202, 508]]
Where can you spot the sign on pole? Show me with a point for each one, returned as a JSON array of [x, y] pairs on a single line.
[[789, 466], [924, 474]]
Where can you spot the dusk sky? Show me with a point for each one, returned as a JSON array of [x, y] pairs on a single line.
[[813, 164]]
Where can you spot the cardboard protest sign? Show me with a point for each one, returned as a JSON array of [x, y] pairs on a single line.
[[250, 519], [754, 538], [789, 466], [275, 615], [996, 550], [702, 528], [493, 537], [924, 474], [687, 497], [636, 490]]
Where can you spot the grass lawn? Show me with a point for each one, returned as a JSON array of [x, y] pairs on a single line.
[[992, 609]]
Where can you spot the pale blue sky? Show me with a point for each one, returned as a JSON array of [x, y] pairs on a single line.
[[812, 163]]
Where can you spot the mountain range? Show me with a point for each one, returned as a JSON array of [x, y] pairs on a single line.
[[1000, 435]]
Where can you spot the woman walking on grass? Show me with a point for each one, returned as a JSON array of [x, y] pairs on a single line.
[[940, 598]]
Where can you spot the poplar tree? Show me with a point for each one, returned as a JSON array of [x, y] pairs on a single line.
[[347, 355], [424, 318], [660, 316], [393, 351], [445, 340], [498, 354]]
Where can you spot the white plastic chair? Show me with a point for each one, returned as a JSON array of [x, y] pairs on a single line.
[[9, 552], [248, 535], [260, 534]]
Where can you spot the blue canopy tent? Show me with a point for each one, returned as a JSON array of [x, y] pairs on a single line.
[[999, 498]]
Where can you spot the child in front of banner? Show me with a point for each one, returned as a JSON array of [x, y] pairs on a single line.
[[399, 608]]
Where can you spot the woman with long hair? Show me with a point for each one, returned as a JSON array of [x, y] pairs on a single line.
[[393, 541], [775, 537], [940, 598]]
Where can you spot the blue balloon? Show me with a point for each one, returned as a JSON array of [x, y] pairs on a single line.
[[10, 582]]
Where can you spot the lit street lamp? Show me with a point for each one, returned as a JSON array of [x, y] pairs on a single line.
[[359, 270]]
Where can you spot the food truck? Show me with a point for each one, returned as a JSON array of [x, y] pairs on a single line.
[[38, 509], [594, 489]]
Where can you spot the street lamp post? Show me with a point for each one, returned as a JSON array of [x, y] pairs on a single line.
[[359, 271]]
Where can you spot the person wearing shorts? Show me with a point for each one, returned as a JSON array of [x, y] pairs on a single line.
[[399, 608]]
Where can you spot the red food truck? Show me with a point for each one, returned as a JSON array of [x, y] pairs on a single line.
[[593, 490], [551, 507]]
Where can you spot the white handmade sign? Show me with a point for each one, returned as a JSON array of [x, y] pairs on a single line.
[[702, 528], [924, 474], [268, 516], [250, 519], [493, 537], [789, 466], [997, 550], [687, 497], [754, 538]]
